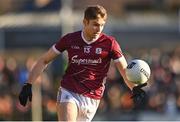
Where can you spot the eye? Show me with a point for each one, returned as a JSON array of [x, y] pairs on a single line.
[[95, 24]]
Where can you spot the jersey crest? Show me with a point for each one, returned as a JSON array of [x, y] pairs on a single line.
[[98, 50]]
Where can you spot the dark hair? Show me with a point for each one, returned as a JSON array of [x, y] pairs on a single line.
[[93, 12]]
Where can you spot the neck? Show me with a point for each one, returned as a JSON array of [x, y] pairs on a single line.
[[85, 35], [89, 38]]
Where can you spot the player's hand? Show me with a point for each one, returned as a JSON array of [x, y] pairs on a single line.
[[139, 95], [25, 94]]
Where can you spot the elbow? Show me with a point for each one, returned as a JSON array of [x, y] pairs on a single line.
[[43, 61]]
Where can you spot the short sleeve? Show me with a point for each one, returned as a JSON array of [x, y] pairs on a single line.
[[61, 45], [116, 50]]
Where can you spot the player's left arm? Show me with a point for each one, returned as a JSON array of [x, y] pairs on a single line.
[[138, 94], [121, 65]]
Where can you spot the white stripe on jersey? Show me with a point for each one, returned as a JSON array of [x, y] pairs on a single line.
[[55, 50], [122, 58]]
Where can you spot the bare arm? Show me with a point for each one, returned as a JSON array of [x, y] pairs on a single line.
[[121, 66], [138, 95], [41, 64]]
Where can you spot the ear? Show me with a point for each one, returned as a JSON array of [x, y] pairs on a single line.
[[85, 22]]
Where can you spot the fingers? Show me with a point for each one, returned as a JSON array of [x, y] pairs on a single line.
[[30, 98], [139, 95], [137, 92], [25, 94], [141, 85], [23, 100]]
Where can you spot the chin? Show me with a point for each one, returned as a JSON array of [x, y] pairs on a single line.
[[96, 35]]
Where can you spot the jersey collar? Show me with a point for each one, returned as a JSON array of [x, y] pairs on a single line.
[[88, 42]]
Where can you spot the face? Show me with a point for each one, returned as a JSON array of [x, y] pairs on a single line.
[[93, 28]]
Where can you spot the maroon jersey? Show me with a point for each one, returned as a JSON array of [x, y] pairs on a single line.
[[88, 63]]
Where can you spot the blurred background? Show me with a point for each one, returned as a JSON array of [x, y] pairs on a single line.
[[145, 29]]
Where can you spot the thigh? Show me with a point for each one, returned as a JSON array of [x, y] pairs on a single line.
[[67, 111], [72, 106], [87, 108]]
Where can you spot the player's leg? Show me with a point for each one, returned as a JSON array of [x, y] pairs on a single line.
[[67, 111], [87, 107], [75, 107]]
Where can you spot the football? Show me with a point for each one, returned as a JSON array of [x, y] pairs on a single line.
[[138, 71]]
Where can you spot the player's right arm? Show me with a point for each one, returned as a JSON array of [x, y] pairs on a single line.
[[41, 64]]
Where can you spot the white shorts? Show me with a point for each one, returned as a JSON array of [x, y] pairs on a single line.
[[87, 107]]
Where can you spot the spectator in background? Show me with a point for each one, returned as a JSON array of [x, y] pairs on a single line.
[[40, 5]]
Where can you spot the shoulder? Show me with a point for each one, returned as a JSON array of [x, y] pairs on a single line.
[[70, 37], [109, 38], [112, 42], [73, 34]]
